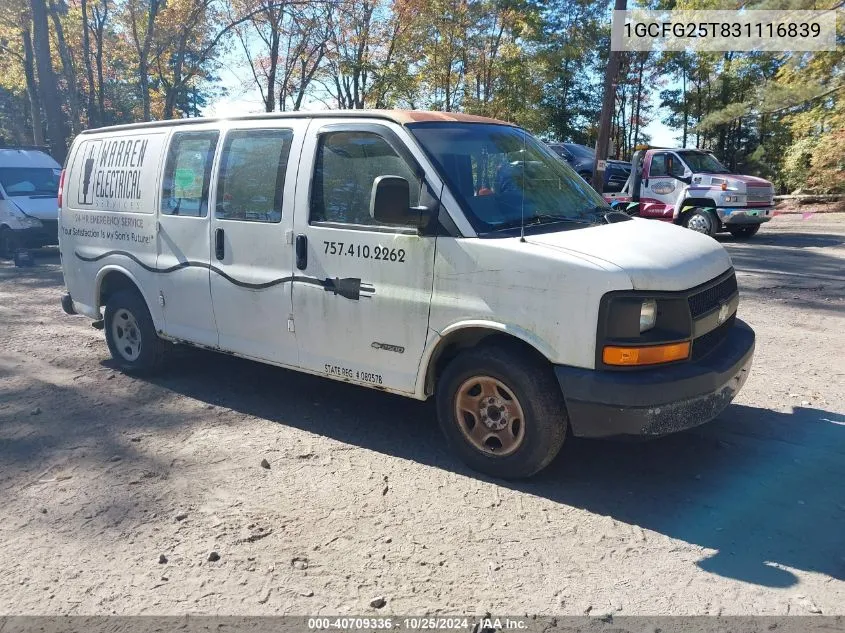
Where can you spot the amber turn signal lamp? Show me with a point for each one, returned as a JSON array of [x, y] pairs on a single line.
[[651, 355]]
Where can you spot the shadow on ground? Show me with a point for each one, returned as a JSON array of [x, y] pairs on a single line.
[[786, 239], [786, 254], [761, 488]]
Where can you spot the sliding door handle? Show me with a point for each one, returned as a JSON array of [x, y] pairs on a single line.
[[301, 252], [219, 249]]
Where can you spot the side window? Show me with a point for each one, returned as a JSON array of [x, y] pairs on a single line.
[[677, 166], [346, 166], [252, 175], [658, 166], [187, 173]]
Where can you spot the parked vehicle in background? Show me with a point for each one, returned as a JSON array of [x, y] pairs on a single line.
[[29, 209], [426, 254], [692, 188], [583, 159]]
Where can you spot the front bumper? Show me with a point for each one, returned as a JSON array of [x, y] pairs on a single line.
[[732, 216], [36, 237], [657, 401]]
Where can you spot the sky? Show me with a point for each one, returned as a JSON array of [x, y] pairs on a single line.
[[247, 100]]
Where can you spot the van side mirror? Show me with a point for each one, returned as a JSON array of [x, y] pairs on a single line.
[[390, 203]]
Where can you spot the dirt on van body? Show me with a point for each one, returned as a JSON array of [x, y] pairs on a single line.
[[228, 487]]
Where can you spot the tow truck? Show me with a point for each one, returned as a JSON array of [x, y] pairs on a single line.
[[690, 187]]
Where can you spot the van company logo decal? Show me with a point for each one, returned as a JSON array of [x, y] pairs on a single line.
[[111, 173], [349, 287]]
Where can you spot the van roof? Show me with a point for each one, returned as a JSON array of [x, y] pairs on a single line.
[[403, 117], [26, 157]]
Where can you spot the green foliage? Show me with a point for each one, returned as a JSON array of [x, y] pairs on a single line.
[[778, 115], [538, 63]]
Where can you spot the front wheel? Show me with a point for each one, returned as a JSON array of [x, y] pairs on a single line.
[[744, 232], [701, 221], [501, 412], [131, 335]]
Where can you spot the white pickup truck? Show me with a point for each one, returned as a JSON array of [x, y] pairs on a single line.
[[691, 188]]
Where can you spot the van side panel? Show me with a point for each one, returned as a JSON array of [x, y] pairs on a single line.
[[108, 217], [548, 299]]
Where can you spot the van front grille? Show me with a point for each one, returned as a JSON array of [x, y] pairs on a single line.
[[706, 343], [710, 298]]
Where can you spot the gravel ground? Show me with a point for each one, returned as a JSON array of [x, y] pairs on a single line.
[[129, 496]]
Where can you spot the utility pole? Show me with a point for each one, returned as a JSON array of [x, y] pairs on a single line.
[[607, 108]]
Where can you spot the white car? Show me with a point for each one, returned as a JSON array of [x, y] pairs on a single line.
[[423, 254], [29, 210]]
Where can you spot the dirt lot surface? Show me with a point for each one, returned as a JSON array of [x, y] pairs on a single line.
[[114, 491]]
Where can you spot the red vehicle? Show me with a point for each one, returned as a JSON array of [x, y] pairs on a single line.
[[691, 188]]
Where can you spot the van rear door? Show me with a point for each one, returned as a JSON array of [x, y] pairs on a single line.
[[183, 238], [252, 260]]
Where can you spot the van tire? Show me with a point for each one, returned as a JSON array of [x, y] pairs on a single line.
[[503, 372], [131, 334], [701, 221], [8, 243]]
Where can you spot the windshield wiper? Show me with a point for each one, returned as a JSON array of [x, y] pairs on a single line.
[[537, 220]]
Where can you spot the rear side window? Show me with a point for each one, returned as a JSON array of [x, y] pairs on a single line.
[[347, 164], [252, 175], [187, 173]]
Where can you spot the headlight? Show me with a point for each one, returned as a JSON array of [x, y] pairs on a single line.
[[648, 315], [25, 220]]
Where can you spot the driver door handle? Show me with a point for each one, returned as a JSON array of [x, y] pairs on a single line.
[[301, 252], [219, 249]]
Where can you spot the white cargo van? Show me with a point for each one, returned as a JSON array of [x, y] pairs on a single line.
[[29, 182], [424, 254]]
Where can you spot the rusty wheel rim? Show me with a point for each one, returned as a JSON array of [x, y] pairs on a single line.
[[489, 416]]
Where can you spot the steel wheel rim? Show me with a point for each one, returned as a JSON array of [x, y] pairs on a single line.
[[489, 416], [126, 334], [699, 224]]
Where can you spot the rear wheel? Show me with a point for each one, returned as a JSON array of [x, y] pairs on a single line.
[[744, 232], [501, 412], [131, 335], [701, 221]]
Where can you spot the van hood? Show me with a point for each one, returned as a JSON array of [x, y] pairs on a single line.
[[655, 255], [43, 208], [737, 181]]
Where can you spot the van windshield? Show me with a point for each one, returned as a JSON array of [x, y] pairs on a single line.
[[30, 181], [503, 178]]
